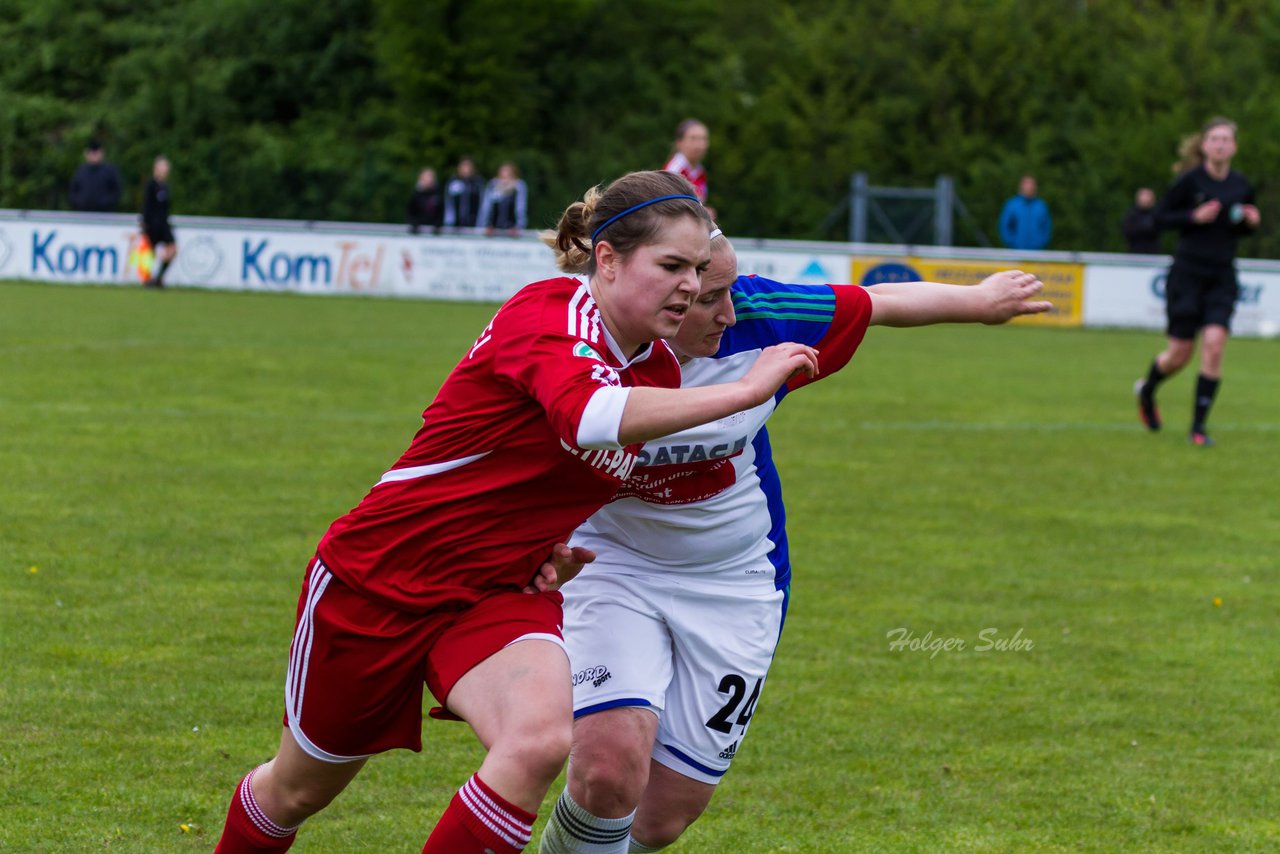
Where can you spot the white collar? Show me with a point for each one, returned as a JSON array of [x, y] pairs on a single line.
[[644, 353]]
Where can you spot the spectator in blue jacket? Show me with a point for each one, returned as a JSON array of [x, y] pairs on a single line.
[[1025, 222]]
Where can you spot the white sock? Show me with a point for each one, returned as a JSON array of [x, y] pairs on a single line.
[[573, 830], [641, 847]]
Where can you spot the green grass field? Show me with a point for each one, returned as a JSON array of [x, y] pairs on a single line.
[[170, 459]]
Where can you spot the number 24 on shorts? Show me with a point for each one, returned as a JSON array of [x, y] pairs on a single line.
[[736, 687]]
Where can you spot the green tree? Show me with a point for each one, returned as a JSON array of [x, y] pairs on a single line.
[[284, 108]]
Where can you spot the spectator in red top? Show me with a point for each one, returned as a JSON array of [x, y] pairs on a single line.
[[690, 147]]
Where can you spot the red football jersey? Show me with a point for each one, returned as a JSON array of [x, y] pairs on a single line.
[[697, 175], [498, 472]]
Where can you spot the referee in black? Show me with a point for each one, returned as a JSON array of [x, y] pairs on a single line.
[[155, 221], [1211, 205]]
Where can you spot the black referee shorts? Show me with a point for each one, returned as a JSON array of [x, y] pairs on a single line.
[[1196, 298], [160, 234]]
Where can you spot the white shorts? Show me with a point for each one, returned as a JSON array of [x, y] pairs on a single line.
[[696, 655]]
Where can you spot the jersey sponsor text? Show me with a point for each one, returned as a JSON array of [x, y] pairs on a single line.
[[614, 463]]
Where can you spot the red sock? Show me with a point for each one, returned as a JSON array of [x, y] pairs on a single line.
[[248, 830], [480, 821]]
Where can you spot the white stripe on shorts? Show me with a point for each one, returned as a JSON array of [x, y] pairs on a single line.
[[546, 636], [303, 635], [295, 685]]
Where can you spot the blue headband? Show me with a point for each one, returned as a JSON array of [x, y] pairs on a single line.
[[611, 220]]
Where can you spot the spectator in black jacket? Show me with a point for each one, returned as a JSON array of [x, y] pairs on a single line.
[[1141, 232], [426, 205], [462, 196], [155, 221], [505, 203], [95, 186]]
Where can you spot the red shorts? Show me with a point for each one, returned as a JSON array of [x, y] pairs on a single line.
[[357, 667]]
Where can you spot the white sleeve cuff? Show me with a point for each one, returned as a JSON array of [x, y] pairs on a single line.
[[602, 419]]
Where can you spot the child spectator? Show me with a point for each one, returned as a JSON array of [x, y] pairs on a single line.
[[426, 205]]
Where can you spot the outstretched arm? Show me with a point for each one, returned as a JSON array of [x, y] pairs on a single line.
[[654, 412], [998, 298]]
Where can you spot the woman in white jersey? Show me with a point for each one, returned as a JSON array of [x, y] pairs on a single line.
[[672, 629]]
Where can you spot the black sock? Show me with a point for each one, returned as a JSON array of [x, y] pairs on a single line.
[[159, 276], [1154, 377], [1206, 389]]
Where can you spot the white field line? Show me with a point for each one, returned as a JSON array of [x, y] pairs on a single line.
[[1041, 426], [201, 413], [349, 416]]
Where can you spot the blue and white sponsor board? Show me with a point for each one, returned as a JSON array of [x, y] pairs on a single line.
[[66, 252], [1134, 296], [357, 258], [795, 267], [461, 267]]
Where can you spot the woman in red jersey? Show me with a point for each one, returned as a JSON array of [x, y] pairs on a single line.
[[422, 581]]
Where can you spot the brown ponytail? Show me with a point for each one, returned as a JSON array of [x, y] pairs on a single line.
[[572, 237]]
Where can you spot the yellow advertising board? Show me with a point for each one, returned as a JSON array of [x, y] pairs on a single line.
[[1063, 283]]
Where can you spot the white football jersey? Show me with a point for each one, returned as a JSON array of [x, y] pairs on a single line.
[[708, 500]]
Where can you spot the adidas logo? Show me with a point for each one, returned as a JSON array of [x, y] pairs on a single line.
[[730, 751]]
